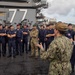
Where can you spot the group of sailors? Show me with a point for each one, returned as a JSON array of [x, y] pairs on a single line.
[[20, 40], [12, 39]]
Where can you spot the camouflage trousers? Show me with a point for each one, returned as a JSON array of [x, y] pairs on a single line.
[[34, 49], [59, 68]]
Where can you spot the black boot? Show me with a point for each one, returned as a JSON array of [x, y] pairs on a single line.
[[9, 56]]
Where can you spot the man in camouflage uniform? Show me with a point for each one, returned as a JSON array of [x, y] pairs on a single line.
[[59, 52], [34, 41]]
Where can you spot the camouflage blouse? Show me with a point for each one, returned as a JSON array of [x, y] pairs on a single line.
[[59, 54]]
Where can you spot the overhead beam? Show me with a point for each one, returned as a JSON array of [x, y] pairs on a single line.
[[19, 5]]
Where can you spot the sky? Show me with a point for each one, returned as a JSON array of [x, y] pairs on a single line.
[[62, 10]]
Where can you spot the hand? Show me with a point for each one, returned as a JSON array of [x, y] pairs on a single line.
[[48, 35], [25, 33], [40, 46], [45, 39], [38, 39], [3, 35], [10, 36], [21, 40]]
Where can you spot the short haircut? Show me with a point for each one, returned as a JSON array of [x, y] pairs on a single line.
[[0, 24], [70, 24]]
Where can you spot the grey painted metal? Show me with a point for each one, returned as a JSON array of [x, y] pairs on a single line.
[[16, 4], [30, 15], [16, 15]]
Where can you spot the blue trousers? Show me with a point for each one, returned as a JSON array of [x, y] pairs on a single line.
[[18, 46], [12, 46], [25, 42], [2, 41]]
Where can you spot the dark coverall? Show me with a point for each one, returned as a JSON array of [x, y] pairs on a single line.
[[19, 41], [49, 39], [25, 40], [72, 33], [41, 36], [12, 43], [2, 41], [6, 41]]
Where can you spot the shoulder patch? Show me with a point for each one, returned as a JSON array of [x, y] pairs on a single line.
[[69, 34]]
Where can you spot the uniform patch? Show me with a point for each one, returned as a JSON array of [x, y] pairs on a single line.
[[69, 34]]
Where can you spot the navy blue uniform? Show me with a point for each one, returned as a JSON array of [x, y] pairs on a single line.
[[29, 48], [72, 33], [68, 35], [25, 40], [19, 41], [2, 41], [41, 36], [49, 39], [6, 40], [12, 43]]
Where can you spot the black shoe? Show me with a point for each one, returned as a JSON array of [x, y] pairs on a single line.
[[20, 54], [4, 55], [36, 57], [17, 53], [31, 56], [22, 51], [26, 52], [9, 56], [14, 56]]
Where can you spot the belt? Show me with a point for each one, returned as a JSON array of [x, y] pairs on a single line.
[[34, 37]]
